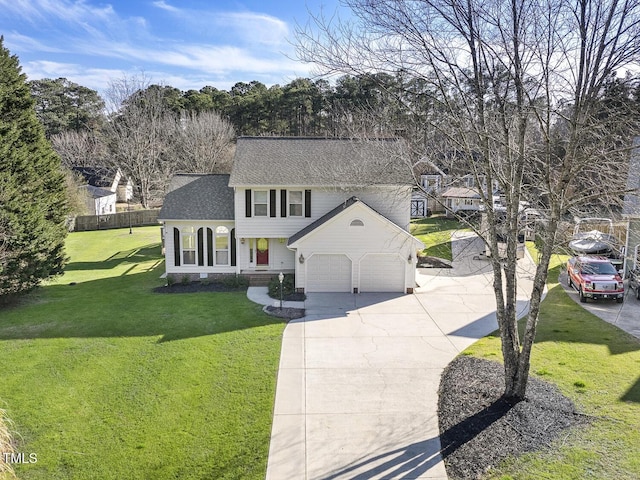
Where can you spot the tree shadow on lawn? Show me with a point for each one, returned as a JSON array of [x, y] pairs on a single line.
[[569, 322], [136, 255], [126, 306], [633, 394]]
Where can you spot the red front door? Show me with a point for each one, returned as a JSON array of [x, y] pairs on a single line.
[[262, 252]]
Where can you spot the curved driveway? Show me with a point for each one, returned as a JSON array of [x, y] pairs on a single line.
[[357, 385]]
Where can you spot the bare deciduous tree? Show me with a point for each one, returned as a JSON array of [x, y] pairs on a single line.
[[138, 138], [203, 143], [79, 148], [515, 95]]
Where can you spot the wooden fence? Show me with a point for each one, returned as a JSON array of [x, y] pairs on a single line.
[[134, 218]]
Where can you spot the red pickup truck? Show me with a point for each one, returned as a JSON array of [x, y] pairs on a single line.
[[594, 277]]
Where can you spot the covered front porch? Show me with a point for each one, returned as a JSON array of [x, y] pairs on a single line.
[[263, 258]]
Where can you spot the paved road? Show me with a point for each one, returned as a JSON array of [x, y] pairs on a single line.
[[357, 385]]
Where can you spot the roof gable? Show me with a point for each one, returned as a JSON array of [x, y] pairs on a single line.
[[103, 177], [344, 207], [297, 161], [198, 197]]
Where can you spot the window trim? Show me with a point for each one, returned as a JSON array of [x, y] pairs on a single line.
[[222, 234], [290, 203], [255, 204], [184, 235]]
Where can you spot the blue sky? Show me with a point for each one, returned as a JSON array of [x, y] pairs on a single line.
[[182, 43]]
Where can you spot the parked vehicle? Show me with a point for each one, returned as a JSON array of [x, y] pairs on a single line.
[[634, 281], [599, 240], [595, 277]]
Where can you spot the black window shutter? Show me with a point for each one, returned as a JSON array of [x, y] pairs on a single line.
[[233, 247], [307, 203], [247, 202], [200, 247], [272, 203], [176, 247], [209, 247], [283, 203]]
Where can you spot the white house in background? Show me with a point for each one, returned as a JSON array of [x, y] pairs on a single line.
[[108, 179], [462, 200], [334, 212], [426, 199], [99, 201]]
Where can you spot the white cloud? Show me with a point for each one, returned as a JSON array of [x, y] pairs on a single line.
[[165, 6], [91, 44]]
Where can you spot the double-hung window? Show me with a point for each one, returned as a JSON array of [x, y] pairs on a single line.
[[222, 246], [260, 203], [295, 203], [189, 246]]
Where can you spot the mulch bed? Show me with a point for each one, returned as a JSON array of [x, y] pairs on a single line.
[[287, 312], [194, 287], [479, 429], [432, 262]]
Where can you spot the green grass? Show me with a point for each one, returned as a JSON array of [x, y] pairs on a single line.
[[598, 366], [106, 379], [435, 232]]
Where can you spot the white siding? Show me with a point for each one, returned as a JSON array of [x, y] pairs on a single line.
[[280, 257], [169, 247], [338, 237], [392, 202]]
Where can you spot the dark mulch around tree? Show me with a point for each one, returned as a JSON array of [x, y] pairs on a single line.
[[432, 262], [287, 312], [194, 287], [478, 428]]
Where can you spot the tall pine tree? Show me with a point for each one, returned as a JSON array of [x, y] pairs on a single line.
[[32, 189]]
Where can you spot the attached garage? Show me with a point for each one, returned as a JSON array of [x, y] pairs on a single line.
[[328, 273], [382, 272], [354, 247]]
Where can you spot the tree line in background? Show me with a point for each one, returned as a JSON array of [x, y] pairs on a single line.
[[151, 131]]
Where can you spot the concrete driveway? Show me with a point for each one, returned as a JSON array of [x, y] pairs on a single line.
[[357, 386]]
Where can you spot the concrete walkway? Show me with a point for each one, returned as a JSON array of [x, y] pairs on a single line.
[[358, 379]]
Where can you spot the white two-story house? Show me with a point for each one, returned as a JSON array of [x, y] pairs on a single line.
[[333, 212]]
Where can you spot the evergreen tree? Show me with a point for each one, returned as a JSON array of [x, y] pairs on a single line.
[[33, 201]]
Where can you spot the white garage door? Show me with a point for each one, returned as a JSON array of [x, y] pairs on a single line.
[[328, 273], [381, 272]]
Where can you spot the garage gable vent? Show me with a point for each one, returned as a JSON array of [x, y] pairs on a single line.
[[356, 223]]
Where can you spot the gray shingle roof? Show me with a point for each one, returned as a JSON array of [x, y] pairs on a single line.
[[97, 192], [461, 192], [300, 161], [198, 197]]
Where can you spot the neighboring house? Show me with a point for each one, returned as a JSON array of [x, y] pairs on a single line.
[[462, 200], [99, 201], [426, 200], [334, 212], [631, 210], [109, 179]]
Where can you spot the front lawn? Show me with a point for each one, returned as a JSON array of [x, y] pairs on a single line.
[[435, 232], [596, 365], [103, 378]]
